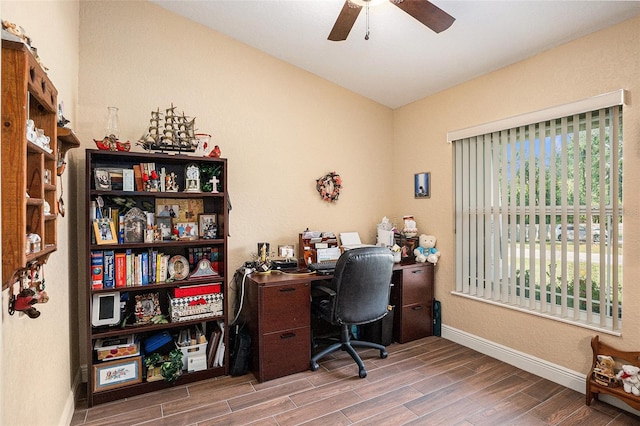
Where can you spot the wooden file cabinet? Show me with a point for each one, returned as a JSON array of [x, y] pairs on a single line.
[[412, 296], [277, 314]]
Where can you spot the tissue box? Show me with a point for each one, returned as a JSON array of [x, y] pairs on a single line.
[[195, 307]]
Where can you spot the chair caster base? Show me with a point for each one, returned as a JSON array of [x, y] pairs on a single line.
[[314, 366], [383, 354], [362, 373]]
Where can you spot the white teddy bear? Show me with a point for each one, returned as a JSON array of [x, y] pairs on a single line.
[[427, 251], [630, 379]]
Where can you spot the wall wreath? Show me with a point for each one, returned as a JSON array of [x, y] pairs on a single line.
[[329, 187]]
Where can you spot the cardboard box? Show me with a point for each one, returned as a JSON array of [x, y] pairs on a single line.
[[195, 307], [116, 347]]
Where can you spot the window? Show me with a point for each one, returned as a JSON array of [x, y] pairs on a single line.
[[538, 213]]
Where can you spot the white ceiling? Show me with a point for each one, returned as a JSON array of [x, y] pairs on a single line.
[[403, 60]]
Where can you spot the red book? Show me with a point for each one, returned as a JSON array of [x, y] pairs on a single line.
[[121, 270]]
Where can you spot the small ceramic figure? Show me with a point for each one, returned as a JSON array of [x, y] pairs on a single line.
[[31, 131]]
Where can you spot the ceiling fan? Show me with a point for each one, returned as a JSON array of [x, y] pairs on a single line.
[[422, 10]]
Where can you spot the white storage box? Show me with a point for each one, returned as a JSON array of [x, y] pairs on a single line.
[[193, 351]]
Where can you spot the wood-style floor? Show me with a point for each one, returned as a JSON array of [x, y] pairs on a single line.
[[431, 381]]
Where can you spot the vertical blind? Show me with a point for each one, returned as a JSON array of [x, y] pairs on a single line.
[[538, 214]]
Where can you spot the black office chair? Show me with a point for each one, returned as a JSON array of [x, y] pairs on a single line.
[[357, 294]]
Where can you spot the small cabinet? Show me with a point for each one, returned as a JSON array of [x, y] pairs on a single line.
[[277, 315], [412, 296], [29, 202]]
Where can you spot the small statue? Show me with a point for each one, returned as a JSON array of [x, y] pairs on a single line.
[[215, 152]]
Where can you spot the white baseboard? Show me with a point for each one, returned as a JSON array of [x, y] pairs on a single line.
[[552, 372], [70, 404]]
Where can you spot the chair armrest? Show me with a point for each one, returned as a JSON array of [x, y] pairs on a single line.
[[324, 289]]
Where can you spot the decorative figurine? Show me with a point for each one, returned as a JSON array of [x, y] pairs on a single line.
[[171, 133], [192, 178], [215, 152]]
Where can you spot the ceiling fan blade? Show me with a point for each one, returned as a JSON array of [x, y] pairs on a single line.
[[345, 21], [427, 13]]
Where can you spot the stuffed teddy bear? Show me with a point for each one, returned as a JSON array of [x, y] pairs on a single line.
[[630, 379], [426, 250]]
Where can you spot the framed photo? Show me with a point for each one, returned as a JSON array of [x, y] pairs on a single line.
[[286, 251], [165, 227], [184, 209], [178, 268], [187, 230], [208, 226], [102, 179], [147, 307], [422, 185], [105, 231], [115, 374], [167, 210]]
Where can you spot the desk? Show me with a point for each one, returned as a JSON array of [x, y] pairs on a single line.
[[277, 311]]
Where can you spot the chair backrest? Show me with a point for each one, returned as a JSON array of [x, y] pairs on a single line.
[[362, 281]]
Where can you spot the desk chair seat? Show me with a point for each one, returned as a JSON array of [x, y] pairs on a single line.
[[358, 294]]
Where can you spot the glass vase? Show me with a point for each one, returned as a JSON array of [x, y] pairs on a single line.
[[113, 123]]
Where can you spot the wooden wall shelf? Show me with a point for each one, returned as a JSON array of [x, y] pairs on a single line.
[[27, 93]]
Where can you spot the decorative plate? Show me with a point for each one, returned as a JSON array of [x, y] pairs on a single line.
[[178, 268]]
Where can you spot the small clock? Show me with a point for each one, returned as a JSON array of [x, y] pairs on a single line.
[[192, 178]]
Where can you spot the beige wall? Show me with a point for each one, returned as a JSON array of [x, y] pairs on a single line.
[[40, 358], [600, 63], [281, 128]]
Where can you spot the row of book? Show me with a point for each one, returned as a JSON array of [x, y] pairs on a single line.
[[110, 269]]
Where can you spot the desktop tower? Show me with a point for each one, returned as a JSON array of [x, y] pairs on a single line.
[[380, 331]]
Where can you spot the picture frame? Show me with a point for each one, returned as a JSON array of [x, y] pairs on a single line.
[[208, 226], [115, 374], [105, 231], [165, 227], [102, 178], [167, 210], [178, 268], [187, 230], [286, 251], [422, 185], [147, 306], [185, 209]]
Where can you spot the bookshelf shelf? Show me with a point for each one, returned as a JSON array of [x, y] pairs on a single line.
[[140, 272]]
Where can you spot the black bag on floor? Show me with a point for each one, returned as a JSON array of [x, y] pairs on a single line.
[[240, 355]]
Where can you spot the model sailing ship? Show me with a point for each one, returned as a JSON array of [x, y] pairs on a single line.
[[172, 132]]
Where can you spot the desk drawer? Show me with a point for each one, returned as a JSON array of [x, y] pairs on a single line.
[[285, 352], [415, 322], [285, 307], [417, 285]]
